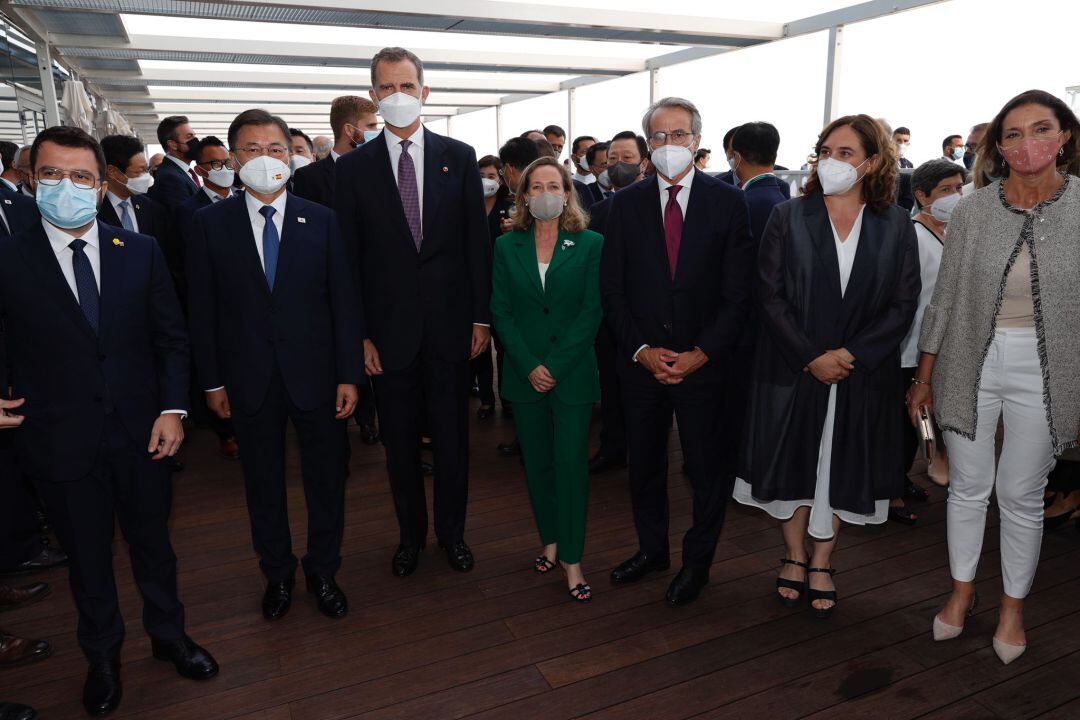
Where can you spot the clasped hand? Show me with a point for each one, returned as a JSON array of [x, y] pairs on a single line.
[[832, 366], [670, 367]]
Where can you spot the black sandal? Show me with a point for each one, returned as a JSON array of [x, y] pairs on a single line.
[[581, 593], [812, 594], [543, 565], [903, 515], [915, 492], [797, 586]]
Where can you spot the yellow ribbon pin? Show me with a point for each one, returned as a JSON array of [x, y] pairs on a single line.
[[118, 242]]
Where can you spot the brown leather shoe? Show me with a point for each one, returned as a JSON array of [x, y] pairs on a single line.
[[18, 651], [12, 597], [229, 449]]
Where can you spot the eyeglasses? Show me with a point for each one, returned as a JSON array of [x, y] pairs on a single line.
[[274, 150], [216, 164], [79, 178], [676, 137]]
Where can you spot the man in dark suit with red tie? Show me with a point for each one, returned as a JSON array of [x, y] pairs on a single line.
[[276, 336], [675, 277], [411, 206], [95, 342], [175, 181]]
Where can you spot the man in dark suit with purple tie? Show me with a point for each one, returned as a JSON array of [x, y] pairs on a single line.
[[411, 206]]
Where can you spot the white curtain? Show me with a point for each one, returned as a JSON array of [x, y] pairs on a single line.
[[77, 105]]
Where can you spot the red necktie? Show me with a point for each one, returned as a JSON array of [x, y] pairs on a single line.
[[673, 221], [195, 177]]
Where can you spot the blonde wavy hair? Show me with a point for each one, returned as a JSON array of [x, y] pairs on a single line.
[[574, 218]]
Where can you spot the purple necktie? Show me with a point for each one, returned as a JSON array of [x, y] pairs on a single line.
[[673, 222], [410, 196]]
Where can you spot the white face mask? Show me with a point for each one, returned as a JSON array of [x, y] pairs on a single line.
[[836, 176], [731, 162], [139, 185], [902, 149], [942, 208], [546, 206], [490, 186], [265, 174], [400, 110], [670, 160], [604, 180], [222, 177], [299, 161]]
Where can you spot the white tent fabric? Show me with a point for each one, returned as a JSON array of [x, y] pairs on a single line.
[[76, 104]]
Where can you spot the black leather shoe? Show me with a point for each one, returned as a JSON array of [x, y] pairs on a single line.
[[509, 449], [12, 597], [686, 586], [602, 462], [638, 566], [460, 556], [369, 434], [405, 560], [49, 557], [277, 599], [14, 711], [102, 691], [329, 597], [191, 660]]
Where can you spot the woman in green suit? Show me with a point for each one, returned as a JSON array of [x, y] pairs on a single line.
[[545, 303]]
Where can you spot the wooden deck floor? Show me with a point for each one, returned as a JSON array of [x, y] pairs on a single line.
[[501, 642]]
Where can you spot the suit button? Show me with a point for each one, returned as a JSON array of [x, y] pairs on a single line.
[[546, 311]]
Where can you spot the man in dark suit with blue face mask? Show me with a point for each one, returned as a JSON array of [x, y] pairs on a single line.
[[95, 342], [411, 206]]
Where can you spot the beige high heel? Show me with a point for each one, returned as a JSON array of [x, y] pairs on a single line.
[[1007, 652], [944, 631]]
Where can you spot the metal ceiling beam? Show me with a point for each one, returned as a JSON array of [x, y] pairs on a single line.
[[489, 17], [852, 14], [174, 48]]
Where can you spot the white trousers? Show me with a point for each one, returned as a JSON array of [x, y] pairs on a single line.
[[1011, 389]]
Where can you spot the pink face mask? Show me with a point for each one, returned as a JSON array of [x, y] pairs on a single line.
[[1032, 155]]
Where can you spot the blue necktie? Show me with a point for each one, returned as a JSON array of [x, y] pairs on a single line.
[[271, 243], [85, 284], [125, 219]]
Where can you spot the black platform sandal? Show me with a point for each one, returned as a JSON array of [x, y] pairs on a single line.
[[812, 594], [543, 565], [581, 593], [796, 585]]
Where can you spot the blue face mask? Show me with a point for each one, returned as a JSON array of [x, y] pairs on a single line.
[[370, 135], [65, 205]]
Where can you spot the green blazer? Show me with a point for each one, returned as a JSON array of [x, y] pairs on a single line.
[[553, 326]]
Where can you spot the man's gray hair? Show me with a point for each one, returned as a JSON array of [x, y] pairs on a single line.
[[396, 54], [673, 102]]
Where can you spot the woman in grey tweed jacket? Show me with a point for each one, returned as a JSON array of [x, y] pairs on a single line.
[[1001, 339]]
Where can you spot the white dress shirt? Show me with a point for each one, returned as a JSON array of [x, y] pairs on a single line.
[[61, 242], [334, 154], [588, 178], [416, 152], [258, 222], [182, 163], [115, 200], [214, 197], [13, 186], [930, 249], [682, 198]]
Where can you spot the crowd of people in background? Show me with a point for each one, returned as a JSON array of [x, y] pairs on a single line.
[[811, 335]]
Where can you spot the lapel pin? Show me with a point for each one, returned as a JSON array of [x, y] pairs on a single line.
[[118, 242], [301, 220], [445, 169], [138, 206], [567, 242], [6, 201]]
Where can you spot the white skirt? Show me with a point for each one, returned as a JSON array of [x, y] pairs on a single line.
[[821, 513]]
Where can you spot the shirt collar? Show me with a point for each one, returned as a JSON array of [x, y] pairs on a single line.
[[417, 138], [182, 163], [254, 204], [115, 199], [685, 183], [10, 184], [214, 197], [335, 154], [60, 239]]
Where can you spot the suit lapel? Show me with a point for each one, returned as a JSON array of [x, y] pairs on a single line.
[[384, 181], [292, 230], [39, 255], [143, 216], [107, 213], [690, 225], [871, 235], [817, 220], [113, 266], [564, 250], [434, 185], [525, 244], [652, 220], [243, 237]]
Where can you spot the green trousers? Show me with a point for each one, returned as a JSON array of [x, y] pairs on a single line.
[[554, 440]]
